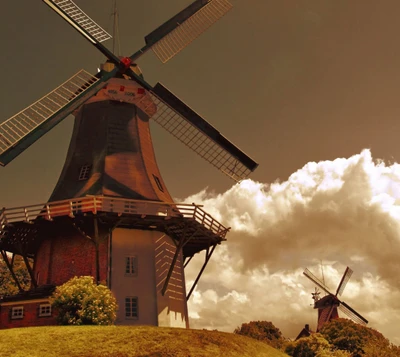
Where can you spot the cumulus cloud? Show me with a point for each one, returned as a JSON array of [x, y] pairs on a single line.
[[344, 212]]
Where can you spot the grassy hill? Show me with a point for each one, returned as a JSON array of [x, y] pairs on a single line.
[[124, 341]]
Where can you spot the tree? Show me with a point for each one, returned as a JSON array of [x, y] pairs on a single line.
[[8, 285], [82, 302], [313, 346], [262, 331], [357, 339]]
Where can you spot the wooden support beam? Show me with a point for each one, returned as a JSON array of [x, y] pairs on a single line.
[[208, 256], [11, 269], [187, 261], [30, 271], [96, 245], [181, 244]]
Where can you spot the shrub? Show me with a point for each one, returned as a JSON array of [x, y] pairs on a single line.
[[82, 302], [348, 336], [313, 346], [263, 331]]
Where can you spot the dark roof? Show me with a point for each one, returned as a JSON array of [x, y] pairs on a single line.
[[40, 292], [305, 332]]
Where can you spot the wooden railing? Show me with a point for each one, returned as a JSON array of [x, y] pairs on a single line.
[[120, 206]]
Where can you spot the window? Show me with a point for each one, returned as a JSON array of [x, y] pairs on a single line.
[[158, 182], [131, 307], [17, 312], [131, 266], [44, 310], [85, 172]]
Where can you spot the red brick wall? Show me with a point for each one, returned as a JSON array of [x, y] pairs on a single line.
[[61, 258], [31, 316]]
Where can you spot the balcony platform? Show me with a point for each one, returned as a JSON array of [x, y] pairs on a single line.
[[23, 228]]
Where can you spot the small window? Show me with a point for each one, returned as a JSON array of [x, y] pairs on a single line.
[[158, 182], [85, 172], [131, 308], [131, 266], [17, 312], [44, 310]]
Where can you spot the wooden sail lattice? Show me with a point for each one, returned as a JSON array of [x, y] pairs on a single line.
[[198, 141], [193, 27], [69, 10], [30, 119]]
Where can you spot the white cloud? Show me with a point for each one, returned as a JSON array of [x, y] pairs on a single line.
[[343, 212]]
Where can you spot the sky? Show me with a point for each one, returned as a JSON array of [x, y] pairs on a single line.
[[308, 88]]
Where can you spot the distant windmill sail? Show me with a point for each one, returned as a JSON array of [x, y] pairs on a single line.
[[327, 306], [354, 315], [346, 277]]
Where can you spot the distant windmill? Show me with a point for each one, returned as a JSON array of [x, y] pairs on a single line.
[[110, 214], [328, 305]]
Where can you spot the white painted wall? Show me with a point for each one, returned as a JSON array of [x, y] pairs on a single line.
[[154, 251]]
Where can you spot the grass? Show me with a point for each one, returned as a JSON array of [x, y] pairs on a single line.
[[126, 341]]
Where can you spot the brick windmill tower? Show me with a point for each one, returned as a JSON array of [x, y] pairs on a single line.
[[110, 214], [329, 304]]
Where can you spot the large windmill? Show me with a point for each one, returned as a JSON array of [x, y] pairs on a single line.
[[110, 214], [328, 305]]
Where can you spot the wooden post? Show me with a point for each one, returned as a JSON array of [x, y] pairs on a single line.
[[208, 256], [96, 245], [30, 271], [181, 244], [187, 261], [10, 268]]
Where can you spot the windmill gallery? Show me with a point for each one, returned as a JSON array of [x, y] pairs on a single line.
[[110, 214]]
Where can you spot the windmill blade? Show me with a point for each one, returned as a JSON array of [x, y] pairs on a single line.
[[345, 278], [74, 15], [24, 128], [178, 32], [81, 22], [316, 281], [200, 136], [353, 314]]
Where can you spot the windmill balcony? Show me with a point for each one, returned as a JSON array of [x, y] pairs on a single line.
[[22, 227]]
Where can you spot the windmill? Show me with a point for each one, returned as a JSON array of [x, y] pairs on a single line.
[[110, 214], [328, 305]]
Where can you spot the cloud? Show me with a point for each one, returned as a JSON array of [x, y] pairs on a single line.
[[341, 212]]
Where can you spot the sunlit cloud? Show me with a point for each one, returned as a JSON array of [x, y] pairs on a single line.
[[341, 212]]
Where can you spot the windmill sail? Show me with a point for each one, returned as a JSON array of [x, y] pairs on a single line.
[[71, 12], [24, 128], [200, 136], [346, 277], [178, 32], [353, 314], [316, 281], [172, 114]]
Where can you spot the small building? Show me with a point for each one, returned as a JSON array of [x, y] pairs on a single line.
[[305, 332], [30, 308]]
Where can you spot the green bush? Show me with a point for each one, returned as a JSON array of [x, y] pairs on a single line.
[[262, 331], [313, 346], [357, 339], [82, 302]]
